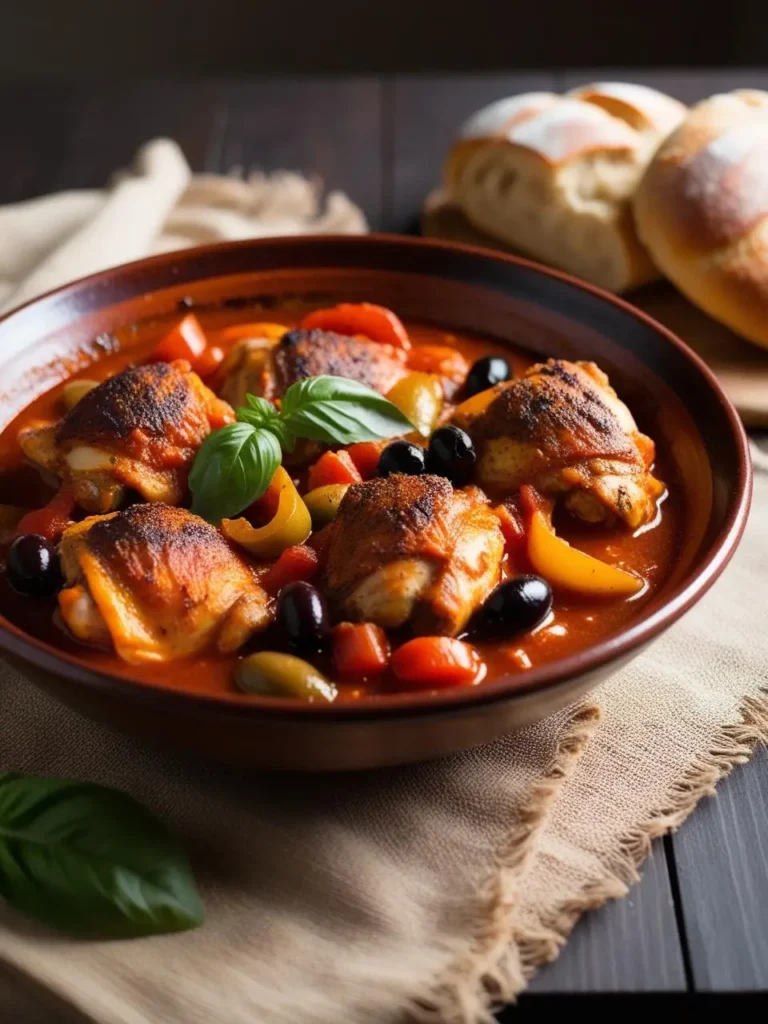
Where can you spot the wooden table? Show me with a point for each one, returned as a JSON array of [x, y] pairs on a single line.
[[698, 920]]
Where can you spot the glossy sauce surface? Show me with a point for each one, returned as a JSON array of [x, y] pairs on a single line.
[[573, 625]]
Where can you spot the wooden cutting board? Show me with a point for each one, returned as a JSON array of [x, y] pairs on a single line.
[[742, 368]]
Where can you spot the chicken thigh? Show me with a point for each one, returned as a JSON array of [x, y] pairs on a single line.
[[260, 367], [139, 429], [158, 583], [411, 549], [563, 429]]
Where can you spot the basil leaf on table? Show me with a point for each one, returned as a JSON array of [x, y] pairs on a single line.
[[340, 411], [91, 861], [232, 469]]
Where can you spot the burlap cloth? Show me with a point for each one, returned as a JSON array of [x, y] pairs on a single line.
[[415, 893]]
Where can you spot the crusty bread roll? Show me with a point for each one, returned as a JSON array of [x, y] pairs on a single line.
[[553, 175], [702, 210]]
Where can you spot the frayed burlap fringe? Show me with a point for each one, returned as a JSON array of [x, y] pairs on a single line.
[[486, 973], [504, 954]]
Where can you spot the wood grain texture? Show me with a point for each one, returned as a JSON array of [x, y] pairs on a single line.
[[328, 128], [722, 863], [38, 122], [629, 945], [113, 119]]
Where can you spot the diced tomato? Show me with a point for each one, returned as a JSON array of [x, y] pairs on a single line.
[[439, 359], [333, 468], [531, 501], [512, 526], [360, 650], [377, 323], [209, 361], [365, 456], [433, 662], [52, 520], [185, 341], [295, 563]]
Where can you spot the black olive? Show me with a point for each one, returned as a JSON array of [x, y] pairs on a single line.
[[403, 457], [515, 606], [485, 373], [451, 454], [33, 566], [302, 616]]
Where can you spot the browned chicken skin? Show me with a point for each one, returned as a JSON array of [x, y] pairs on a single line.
[[410, 548], [139, 429], [563, 429], [158, 583], [262, 368]]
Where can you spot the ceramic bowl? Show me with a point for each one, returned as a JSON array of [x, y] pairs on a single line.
[[677, 399]]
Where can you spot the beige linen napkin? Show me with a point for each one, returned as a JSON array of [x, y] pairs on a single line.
[[417, 893], [157, 206]]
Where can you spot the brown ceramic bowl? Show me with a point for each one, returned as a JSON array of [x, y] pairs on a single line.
[[457, 287]]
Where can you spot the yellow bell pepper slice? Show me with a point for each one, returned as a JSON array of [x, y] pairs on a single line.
[[472, 407], [291, 523], [241, 332], [565, 567], [419, 397]]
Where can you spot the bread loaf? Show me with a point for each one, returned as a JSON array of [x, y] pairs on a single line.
[[553, 176], [702, 210]]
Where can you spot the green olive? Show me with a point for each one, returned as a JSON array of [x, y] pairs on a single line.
[[323, 503], [75, 390], [273, 674]]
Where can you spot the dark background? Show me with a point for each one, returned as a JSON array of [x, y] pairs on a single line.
[[86, 38], [87, 81]]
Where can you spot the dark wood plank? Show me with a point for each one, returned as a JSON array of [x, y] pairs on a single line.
[[721, 853], [722, 864], [38, 124], [690, 86], [422, 117], [57, 137], [630, 945], [115, 118], [330, 128]]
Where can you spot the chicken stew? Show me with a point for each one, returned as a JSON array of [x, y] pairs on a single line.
[[329, 506]]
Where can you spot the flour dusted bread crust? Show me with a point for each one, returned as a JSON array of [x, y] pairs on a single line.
[[553, 175], [702, 210]]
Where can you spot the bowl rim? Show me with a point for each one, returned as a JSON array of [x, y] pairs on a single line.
[[689, 590]]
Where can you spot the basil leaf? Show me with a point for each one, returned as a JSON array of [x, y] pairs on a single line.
[[91, 861], [232, 469], [340, 411], [259, 411], [266, 417]]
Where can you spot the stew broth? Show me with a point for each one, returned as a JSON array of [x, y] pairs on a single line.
[[574, 624]]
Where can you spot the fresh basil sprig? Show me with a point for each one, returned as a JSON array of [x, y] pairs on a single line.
[[235, 465], [336, 410], [91, 861], [232, 469]]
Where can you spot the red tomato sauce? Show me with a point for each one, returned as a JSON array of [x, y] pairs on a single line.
[[575, 623]]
